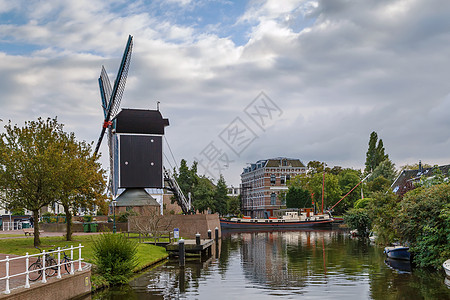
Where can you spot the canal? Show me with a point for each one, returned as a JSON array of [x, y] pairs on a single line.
[[315, 264]]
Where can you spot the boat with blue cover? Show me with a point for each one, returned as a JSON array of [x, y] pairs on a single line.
[[398, 252]]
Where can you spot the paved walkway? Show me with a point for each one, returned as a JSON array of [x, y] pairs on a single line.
[[22, 235]]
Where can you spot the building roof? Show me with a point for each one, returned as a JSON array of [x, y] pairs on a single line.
[[140, 121], [136, 197], [275, 163], [404, 181]]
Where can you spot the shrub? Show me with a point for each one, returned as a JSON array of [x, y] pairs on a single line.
[[358, 218], [362, 203], [115, 257]]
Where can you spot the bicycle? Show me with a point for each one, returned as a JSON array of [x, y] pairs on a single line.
[[36, 267], [66, 261]]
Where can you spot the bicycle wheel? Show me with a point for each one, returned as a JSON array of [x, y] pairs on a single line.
[[35, 271], [50, 266], [66, 262]]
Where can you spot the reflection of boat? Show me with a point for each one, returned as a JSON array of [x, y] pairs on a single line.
[[399, 265], [446, 266], [290, 220], [398, 252]]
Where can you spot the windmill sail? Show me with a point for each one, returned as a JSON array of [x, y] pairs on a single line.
[[111, 99]]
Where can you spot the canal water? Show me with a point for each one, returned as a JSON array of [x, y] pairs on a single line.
[[313, 264]]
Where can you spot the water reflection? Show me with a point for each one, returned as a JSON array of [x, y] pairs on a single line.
[[265, 265]]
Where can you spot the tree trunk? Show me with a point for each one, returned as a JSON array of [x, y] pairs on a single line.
[[68, 222], [37, 240]]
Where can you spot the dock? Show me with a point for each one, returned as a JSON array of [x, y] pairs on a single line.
[[190, 246]]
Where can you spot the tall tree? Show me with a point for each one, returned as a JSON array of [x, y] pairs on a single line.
[[386, 169], [83, 184], [371, 155], [30, 166], [186, 177], [380, 156], [203, 194], [220, 196]]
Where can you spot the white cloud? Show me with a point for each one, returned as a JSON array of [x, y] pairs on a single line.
[[337, 69]]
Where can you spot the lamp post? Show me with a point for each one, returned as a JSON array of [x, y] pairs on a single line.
[[114, 204]]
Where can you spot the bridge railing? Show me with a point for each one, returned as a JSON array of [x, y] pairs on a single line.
[[56, 254]]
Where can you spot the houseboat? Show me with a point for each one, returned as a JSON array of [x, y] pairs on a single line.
[[290, 220]]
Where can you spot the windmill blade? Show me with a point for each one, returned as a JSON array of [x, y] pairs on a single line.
[[105, 90], [111, 107], [119, 83]]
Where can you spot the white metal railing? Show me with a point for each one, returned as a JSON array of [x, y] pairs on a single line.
[[59, 264], [13, 225]]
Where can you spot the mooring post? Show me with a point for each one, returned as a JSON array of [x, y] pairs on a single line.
[[209, 234], [197, 239], [217, 233], [181, 252]]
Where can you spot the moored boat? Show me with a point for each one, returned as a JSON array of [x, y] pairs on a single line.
[[398, 252], [446, 266], [291, 220]]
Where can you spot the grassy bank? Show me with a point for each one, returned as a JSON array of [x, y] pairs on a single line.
[[147, 255]]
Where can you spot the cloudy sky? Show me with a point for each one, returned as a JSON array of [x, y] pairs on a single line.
[[241, 80]]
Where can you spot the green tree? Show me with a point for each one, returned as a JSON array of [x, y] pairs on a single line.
[[348, 179], [379, 184], [380, 155], [332, 190], [31, 167], [386, 169], [383, 208], [186, 177], [220, 197], [359, 219], [203, 194], [423, 220], [84, 183], [375, 155], [298, 197], [371, 155], [234, 205], [317, 167]]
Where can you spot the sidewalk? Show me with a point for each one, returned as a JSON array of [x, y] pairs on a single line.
[[22, 235]]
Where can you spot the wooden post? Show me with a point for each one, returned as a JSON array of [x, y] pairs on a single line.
[[181, 251], [209, 234], [217, 234], [197, 239]]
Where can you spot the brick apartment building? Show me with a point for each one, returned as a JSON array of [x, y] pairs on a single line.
[[262, 182]]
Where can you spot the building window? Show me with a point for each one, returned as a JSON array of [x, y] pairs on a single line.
[[273, 199], [283, 179], [288, 178], [272, 179]]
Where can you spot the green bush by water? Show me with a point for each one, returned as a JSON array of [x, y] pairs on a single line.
[[115, 257]]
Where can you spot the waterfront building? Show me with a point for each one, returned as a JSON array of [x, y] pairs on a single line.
[[407, 178], [263, 184]]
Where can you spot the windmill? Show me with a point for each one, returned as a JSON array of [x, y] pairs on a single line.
[[111, 98], [134, 142]]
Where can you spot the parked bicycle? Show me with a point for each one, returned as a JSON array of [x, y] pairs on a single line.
[[66, 261], [36, 268]]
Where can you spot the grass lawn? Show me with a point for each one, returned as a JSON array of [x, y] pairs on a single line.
[[2, 235], [147, 254]]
